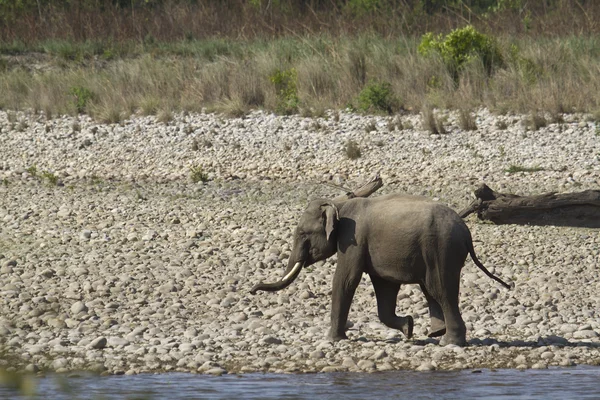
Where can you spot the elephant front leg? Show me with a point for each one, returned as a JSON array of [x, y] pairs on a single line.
[[387, 295], [345, 282]]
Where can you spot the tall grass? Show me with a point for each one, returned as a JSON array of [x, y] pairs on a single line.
[[173, 20], [555, 75]]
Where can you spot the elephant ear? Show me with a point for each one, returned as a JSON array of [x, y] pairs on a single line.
[[331, 215]]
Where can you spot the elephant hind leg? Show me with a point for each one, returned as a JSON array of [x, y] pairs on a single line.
[[436, 315], [387, 294], [447, 298]]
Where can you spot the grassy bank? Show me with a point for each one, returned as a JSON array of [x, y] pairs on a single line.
[[294, 75]]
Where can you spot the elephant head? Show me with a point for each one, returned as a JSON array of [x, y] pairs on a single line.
[[314, 240]]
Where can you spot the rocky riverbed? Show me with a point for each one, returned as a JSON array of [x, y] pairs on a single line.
[[113, 259]]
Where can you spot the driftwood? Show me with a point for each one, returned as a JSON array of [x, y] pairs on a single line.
[[364, 190], [581, 209]]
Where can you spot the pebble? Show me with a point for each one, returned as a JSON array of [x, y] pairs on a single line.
[[98, 343], [426, 366], [78, 307]]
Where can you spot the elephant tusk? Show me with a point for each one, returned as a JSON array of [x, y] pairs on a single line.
[[294, 271], [282, 284]]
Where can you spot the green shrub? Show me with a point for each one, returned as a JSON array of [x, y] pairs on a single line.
[[460, 47], [32, 170], [50, 177], [197, 174], [287, 91], [377, 96], [81, 97]]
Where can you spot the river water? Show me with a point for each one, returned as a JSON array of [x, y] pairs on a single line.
[[555, 383]]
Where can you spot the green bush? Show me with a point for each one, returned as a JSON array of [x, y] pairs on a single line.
[[377, 96], [50, 177], [460, 47], [32, 170], [81, 97], [197, 174], [287, 91]]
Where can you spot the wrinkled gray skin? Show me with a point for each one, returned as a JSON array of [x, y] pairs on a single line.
[[396, 239]]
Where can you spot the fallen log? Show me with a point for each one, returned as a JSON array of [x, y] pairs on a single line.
[[364, 190], [581, 209]]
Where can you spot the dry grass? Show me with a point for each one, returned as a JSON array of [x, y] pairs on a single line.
[[431, 122], [149, 105], [557, 76], [536, 121], [466, 120], [352, 150], [149, 22], [164, 116]]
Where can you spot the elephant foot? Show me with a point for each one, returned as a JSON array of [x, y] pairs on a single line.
[[407, 327], [337, 336], [453, 339], [438, 327], [439, 332]]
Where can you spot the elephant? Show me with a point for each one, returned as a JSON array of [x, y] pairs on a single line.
[[396, 239]]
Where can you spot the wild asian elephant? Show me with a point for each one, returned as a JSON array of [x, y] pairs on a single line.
[[396, 239]]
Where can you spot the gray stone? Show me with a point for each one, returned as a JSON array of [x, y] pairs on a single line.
[[366, 365], [426, 366], [586, 334], [271, 340], [59, 363], [78, 307], [187, 347], [98, 343], [379, 354], [32, 368], [47, 273], [218, 371], [114, 341]]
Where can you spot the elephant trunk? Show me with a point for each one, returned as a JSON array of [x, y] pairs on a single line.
[[288, 278]]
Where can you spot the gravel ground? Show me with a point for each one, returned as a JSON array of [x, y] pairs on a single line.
[[113, 260]]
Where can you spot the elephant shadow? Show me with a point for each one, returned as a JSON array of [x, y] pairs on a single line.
[[551, 340]]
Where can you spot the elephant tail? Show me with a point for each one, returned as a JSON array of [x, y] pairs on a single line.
[[484, 269]]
